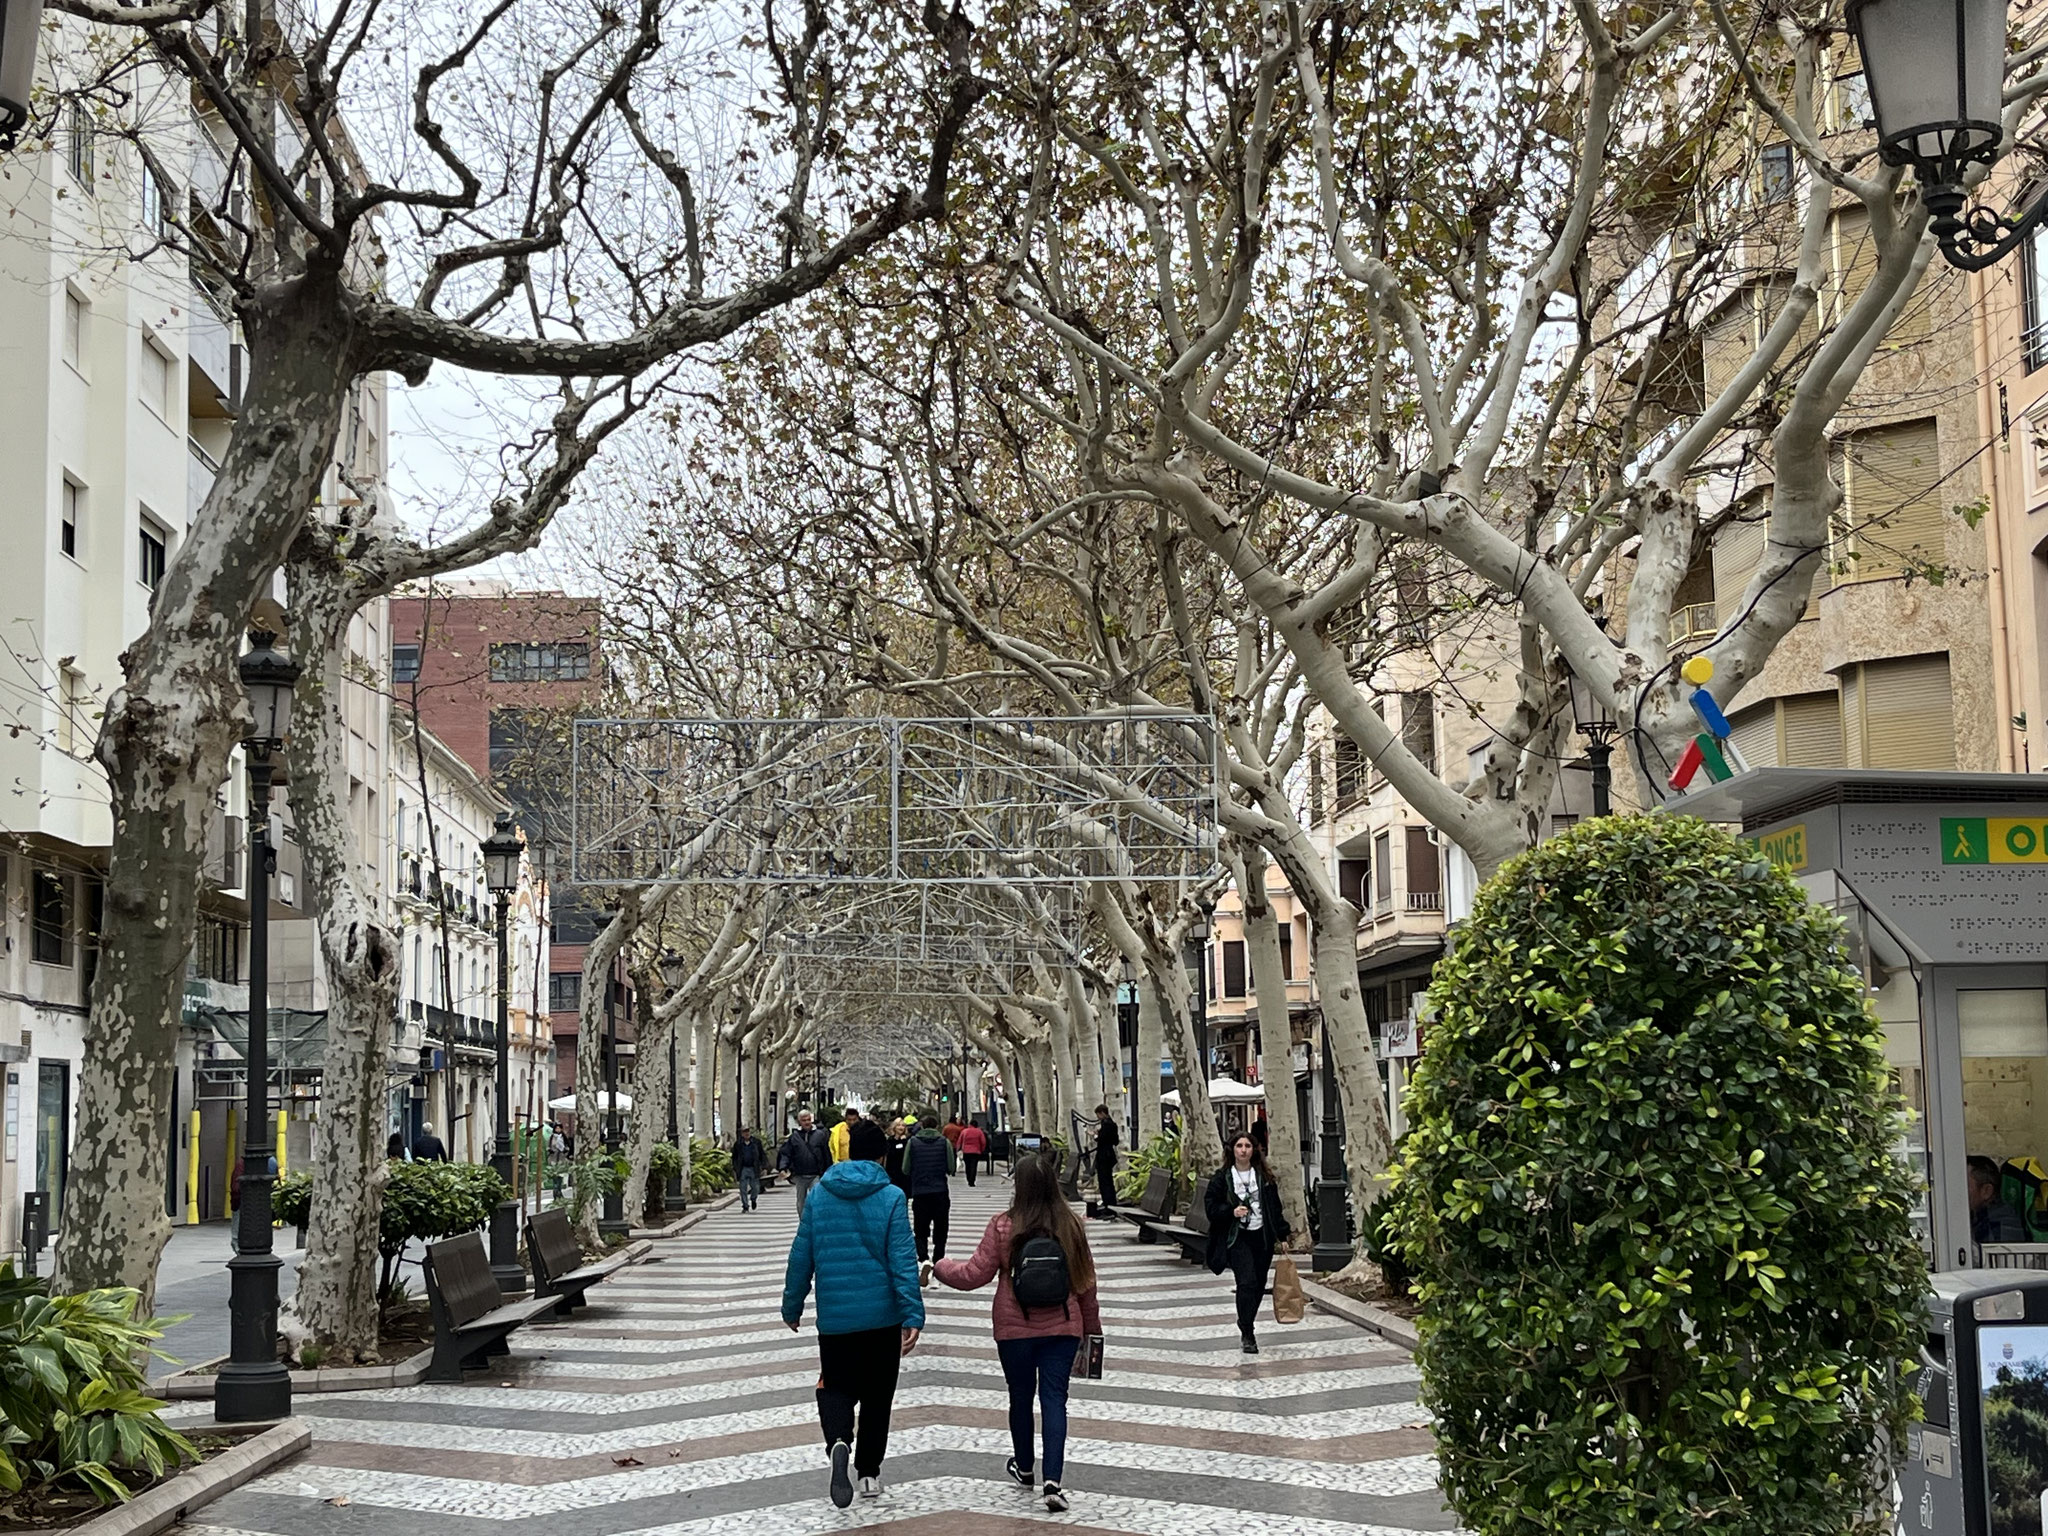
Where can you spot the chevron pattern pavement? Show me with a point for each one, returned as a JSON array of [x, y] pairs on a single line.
[[677, 1404]]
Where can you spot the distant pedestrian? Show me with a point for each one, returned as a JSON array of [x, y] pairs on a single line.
[[1037, 1253], [951, 1131], [394, 1147], [1106, 1137], [892, 1164], [749, 1160], [805, 1154], [841, 1134], [854, 1244], [973, 1148], [929, 1159], [1246, 1224], [427, 1148]]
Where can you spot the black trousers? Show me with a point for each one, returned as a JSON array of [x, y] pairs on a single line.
[[968, 1160], [929, 1216], [1251, 1260], [1105, 1181], [859, 1368]]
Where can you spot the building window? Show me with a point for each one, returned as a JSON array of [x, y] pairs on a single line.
[[70, 513], [157, 203], [1382, 873], [1776, 172], [156, 378], [78, 145], [559, 661], [2034, 298], [1351, 771], [1890, 521], [1801, 730], [1418, 727], [74, 330], [50, 917], [565, 991], [152, 544], [1286, 950], [1351, 881], [1233, 967], [72, 705], [1899, 713], [405, 663], [1425, 873]]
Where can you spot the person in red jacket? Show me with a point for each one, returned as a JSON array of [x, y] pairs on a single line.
[[1036, 1345], [973, 1144]]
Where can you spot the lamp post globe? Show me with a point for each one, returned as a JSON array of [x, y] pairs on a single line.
[[253, 1386], [1936, 73], [21, 24], [501, 852], [1594, 719]]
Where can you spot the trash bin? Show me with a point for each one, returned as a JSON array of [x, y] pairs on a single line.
[[1983, 1362]]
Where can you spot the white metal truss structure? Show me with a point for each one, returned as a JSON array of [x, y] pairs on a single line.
[[924, 940], [886, 801]]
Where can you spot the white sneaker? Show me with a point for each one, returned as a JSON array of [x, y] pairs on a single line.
[[871, 1487], [1055, 1500], [924, 1274]]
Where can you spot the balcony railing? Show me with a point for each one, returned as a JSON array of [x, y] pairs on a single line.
[[1425, 901]]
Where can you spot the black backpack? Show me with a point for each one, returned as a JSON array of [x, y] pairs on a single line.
[[1038, 1274]]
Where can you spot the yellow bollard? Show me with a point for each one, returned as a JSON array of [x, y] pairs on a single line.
[[281, 1122], [192, 1174]]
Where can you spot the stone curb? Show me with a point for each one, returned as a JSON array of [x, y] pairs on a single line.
[[166, 1504], [197, 1381], [1363, 1314], [689, 1218]]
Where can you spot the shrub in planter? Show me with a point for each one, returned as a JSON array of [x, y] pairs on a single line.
[[428, 1201], [711, 1169], [1162, 1151], [72, 1404], [1661, 1241]]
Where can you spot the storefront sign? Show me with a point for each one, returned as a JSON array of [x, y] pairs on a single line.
[[1786, 847], [1994, 840]]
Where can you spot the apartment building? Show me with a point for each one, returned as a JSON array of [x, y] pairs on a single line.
[[442, 812], [498, 674]]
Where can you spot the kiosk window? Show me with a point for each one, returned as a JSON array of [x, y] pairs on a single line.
[[2015, 1404], [2005, 1072]]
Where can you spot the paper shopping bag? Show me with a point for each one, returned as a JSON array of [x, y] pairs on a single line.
[[1289, 1306]]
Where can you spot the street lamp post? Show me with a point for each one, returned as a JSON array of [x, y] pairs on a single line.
[[1198, 940], [253, 1386], [1333, 1248], [21, 23], [1595, 721], [501, 853], [1936, 72], [1127, 1028], [675, 1195], [612, 1221]]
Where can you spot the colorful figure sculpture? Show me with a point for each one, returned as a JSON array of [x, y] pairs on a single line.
[[1711, 749]]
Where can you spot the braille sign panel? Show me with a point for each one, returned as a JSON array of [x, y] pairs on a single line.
[[1994, 840]]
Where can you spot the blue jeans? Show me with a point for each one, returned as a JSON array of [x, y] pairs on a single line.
[[1039, 1367], [750, 1187]]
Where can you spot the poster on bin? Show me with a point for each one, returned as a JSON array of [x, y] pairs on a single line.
[[2014, 1393]]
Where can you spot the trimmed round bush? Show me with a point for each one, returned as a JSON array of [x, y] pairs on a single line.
[[1661, 1240]]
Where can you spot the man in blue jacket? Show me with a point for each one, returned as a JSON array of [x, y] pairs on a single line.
[[853, 1240]]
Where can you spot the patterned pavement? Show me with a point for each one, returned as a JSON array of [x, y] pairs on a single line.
[[678, 1404]]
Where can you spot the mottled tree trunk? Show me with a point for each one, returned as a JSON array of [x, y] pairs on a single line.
[[336, 1298], [1368, 1137], [166, 744], [1276, 1053], [590, 1040], [1201, 1140], [650, 1100], [1151, 1051], [703, 1056]]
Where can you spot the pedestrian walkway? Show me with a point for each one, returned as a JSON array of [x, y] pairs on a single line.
[[678, 1403]]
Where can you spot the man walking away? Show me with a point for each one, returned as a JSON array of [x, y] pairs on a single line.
[[841, 1134], [928, 1160], [804, 1155], [855, 1245], [427, 1148], [973, 1147], [749, 1159], [1106, 1137]]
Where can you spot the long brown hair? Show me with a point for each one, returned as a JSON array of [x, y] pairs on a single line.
[[1037, 1208], [1258, 1157]]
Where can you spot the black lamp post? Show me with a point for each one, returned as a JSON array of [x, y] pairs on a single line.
[[21, 23], [501, 853], [1333, 1248], [675, 1195], [1127, 1030], [254, 1387], [612, 1220], [1595, 721], [1936, 71], [1198, 945]]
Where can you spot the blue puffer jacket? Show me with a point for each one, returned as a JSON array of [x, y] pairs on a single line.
[[854, 1241]]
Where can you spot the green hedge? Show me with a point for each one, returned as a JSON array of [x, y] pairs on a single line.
[[1662, 1245], [428, 1201]]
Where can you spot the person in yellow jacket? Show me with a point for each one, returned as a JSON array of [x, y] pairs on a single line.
[[842, 1132]]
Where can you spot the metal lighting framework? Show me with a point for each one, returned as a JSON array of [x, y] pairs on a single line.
[[888, 801]]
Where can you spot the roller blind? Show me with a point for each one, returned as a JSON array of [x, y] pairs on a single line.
[[1811, 730], [1738, 548], [1755, 733], [1726, 343], [1892, 502], [1908, 713], [1855, 262]]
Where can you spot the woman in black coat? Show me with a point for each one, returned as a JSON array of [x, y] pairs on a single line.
[[1246, 1224]]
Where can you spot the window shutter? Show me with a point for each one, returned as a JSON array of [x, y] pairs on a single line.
[[1738, 548], [1418, 727], [1909, 714], [1893, 504], [1853, 750], [1351, 881], [1855, 258], [1425, 876], [1755, 733], [1233, 968], [1812, 730], [1725, 345]]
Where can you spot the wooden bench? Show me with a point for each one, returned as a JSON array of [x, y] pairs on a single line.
[[471, 1315], [558, 1268], [1191, 1232], [1153, 1205]]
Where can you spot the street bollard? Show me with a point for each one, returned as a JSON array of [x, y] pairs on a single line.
[[1978, 1465]]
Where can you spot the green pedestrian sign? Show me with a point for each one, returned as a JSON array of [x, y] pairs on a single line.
[[1994, 840]]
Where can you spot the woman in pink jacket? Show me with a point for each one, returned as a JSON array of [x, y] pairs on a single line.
[[1037, 1254]]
